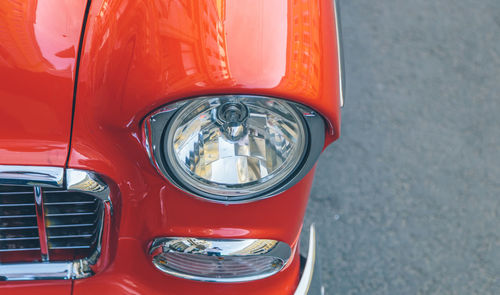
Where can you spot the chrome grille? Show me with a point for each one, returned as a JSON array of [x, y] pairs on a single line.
[[72, 221], [18, 223], [52, 223]]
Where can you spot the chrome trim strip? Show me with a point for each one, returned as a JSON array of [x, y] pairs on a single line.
[[84, 268], [40, 221], [36, 271], [221, 248], [91, 183], [32, 176], [307, 274], [156, 123], [340, 52], [88, 182], [76, 180], [66, 270]]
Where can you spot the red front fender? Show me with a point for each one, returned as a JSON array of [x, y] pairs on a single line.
[[138, 55]]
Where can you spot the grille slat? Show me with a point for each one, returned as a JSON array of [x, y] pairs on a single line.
[[72, 220], [17, 216], [20, 190], [70, 247], [20, 249], [72, 236], [72, 223], [69, 225], [70, 203], [14, 205], [71, 214], [19, 238], [18, 227]]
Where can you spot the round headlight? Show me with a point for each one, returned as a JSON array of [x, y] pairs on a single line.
[[234, 146], [231, 147]]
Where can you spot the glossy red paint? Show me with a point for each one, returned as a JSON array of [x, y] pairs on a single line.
[[38, 45], [139, 55], [36, 287]]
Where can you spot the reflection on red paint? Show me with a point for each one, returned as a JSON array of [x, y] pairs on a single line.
[[140, 55], [260, 44], [38, 40]]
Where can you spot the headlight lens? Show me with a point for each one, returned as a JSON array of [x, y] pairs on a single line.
[[234, 145], [234, 148]]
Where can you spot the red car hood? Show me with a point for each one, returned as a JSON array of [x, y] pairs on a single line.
[[38, 53]]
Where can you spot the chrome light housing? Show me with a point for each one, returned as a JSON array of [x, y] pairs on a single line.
[[234, 148], [219, 260]]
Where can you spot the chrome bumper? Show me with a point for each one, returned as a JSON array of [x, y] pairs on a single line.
[[310, 281], [42, 271]]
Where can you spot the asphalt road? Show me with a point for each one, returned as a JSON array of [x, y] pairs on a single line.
[[408, 200]]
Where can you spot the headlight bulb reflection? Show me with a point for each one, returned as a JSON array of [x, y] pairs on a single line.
[[233, 117]]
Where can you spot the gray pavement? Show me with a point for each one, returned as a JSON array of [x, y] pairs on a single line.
[[408, 200]]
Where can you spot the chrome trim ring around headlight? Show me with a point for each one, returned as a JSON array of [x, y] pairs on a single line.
[[73, 180], [157, 123], [219, 260]]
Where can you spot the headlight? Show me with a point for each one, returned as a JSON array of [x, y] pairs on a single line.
[[233, 147]]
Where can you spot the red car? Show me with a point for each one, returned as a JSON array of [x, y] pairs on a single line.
[[163, 147]]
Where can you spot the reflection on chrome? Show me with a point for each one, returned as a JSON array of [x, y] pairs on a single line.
[[76, 180], [340, 53], [219, 260], [86, 181], [308, 272], [31, 175], [211, 247]]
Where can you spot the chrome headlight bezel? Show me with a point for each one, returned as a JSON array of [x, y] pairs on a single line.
[[157, 124]]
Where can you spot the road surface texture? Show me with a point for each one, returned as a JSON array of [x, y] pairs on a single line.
[[408, 200]]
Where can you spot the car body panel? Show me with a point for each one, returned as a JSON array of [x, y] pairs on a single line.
[[38, 49], [36, 287], [139, 55]]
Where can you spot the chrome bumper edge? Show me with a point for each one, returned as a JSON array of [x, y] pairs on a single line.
[[310, 282]]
